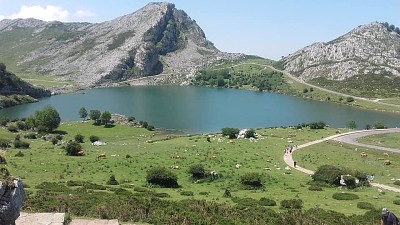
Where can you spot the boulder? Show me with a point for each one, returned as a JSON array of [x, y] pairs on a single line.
[[12, 197]]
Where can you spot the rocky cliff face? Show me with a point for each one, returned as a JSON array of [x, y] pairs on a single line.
[[12, 197], [157, 38], [368, 49]]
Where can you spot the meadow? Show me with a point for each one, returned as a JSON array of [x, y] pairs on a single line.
[[131, 151]]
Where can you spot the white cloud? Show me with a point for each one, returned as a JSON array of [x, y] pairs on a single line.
[[84, 13], [48, 13]]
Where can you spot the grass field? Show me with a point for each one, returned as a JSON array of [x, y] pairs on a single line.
[[390, 140], [45, 162]]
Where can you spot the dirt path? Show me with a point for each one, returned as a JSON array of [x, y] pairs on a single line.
[[347, 138]]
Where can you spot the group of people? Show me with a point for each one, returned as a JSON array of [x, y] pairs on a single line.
[[289, 149]]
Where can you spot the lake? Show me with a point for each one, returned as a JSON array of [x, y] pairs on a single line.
[[201, 109]]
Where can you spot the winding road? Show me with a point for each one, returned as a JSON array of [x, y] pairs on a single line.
[[350, 139]]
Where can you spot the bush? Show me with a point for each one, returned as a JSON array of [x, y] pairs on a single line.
[[397, 182], [93, 138], [245, 201], [315, 188], [252, 180], [365, 205], [4, 143], [230, 132], [227, 194], [379, 125], [267, 202], [73, 183], [150, 128], [12, 128], [345, 196], [3, 160], [21, 144], [54, 141], [292, 204], [131, 119], [140, 189], [79, 138], [250, 133], [30, 136], [163, 195], [187, 193], [317, 125], [205, 193], [19, 154], [21, 125], [112, 181], [328, 174], [349, 99], [59, 137], [162, 177], [197, 171], [73, 148]]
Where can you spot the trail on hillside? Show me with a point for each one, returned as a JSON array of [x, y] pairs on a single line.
[[347, 138]]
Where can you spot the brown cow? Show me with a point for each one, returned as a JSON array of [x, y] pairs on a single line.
[[101, 155]]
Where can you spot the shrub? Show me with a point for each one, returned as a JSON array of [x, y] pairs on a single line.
[[267, 202], [397, 182], [150, 128], [315, 188], [396, 201], [187, 193], [94, 186], [328, 174], [345, 196], [93, 138], [250, 133], [79, 138], [379, 125], [121, 191], [73, 183], [128, 156], [30, 136], [4, 143], [131, 119], [365, 205], [19, 154], [140, 189], [21, 125], [251, 180], [54, 141], [12, 128], [21, 144], [3, 160], [246, 201], [230, 132], [205, 193], [197, 171], [317, 125], [163, 195], [59, 137], [162, 177], [292, 204], [112, 181], [349, 99], [73, 148], [227, 194]]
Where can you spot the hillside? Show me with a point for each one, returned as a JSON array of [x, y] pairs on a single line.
[[14, 91], [156, 39], [363, 62]]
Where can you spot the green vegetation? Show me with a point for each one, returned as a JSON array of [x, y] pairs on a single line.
[[153, 164], [120, 39], [47, 119], [390, 140], [231, 133]]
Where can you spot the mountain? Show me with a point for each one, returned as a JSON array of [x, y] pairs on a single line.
[[370, 53], [156, 39], [14, 91]]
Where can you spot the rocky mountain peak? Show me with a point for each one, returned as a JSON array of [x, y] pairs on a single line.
[[367, 49], [157, 38]]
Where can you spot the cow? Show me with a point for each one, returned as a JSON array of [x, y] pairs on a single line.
[[101, 155]]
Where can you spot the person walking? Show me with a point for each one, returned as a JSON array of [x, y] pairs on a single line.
[[388, 218]]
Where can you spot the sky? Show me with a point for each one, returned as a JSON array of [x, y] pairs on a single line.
[[267, 28]]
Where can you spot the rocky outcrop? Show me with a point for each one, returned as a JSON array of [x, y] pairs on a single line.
[[368, 49], [12, 196], [156, 39]]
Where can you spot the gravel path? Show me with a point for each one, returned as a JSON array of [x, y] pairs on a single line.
[[347, 138]]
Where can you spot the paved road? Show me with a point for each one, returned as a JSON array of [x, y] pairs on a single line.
[[347, 138]]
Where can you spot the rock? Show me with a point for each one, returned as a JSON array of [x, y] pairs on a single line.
[[12, 196], [367, 49]]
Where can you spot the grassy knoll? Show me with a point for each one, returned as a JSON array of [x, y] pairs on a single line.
[[395, 101], [135, 150], [390, 140]]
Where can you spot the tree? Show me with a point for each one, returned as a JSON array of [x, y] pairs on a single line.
[[105, 117], [73, 148], [162, 177], [349, 99], [4, 143], [197, 171], [83, 113], [230, 132], [305, 90], [392, 27], [95, 115], [47, 119], [112, 180], [351, 124], [3, 67], [93, 138], [317, 125]]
